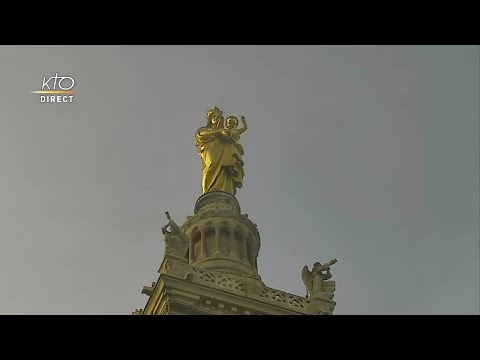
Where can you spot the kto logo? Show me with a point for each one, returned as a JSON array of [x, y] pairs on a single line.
[[57, 89]]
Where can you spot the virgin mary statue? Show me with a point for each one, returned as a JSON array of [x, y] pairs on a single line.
[[221, 157]]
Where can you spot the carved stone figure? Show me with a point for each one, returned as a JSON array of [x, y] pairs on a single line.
[[221, 154], [316, 280], [176, 241]]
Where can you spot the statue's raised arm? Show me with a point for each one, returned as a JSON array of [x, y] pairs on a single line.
[[244, 127]]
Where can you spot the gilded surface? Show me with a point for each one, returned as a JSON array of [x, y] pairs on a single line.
[[221, 153]]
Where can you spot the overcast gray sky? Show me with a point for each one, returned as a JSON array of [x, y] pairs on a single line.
[[366, 154]]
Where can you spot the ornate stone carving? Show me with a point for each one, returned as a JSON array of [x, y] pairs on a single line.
[[319, 288], [176, 241], [221, 237], [316, 280]]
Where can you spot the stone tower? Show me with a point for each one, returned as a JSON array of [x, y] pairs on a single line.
[[210, 262]]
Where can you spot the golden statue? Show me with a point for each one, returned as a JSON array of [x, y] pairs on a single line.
[[231, 124], [221, 153]]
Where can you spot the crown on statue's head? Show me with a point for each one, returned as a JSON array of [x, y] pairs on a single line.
[[214, 110]]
